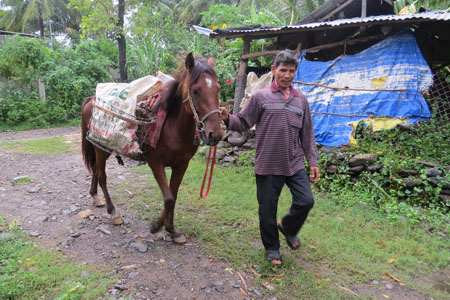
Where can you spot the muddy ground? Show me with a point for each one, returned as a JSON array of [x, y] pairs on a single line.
[[148, 266]]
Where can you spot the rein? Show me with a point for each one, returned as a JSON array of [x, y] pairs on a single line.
[[203, 196], [199, 123]]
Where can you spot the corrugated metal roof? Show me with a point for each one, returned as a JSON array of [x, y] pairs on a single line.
[[419, 17]]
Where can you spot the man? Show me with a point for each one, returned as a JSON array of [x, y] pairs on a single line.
[[284, 136]]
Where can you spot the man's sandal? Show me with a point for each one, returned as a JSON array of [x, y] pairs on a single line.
[[272, 256], [292, 241]]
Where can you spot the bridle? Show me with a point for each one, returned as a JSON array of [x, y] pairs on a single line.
[[199, 123]]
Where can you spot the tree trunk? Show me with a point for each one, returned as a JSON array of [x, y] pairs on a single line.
[[122, 43], [41, 20]]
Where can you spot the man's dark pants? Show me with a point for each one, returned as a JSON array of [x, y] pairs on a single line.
[[268, 191]]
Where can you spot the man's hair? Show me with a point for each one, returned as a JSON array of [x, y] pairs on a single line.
[[286, 57]]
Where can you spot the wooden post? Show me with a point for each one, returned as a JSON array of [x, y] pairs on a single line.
[[41, 86], [241, 78]]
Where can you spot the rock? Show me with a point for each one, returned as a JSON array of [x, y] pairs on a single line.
[[66, 212], [444, 198], [133, 275], [404, 127], [85, 213], [228, 159], [329, 150], [407, 172], [236, 139], [389, 286], [103, 229], [411, 183], [34, 234], [375, 168], [363, 159], [120, 287], [19, 177], [75, 234], [4, 236], [375, 282], [42, 219], [75, 209], [250, 144], [33, 190], [139, 246], [355, 170], [331, 169], [2, 189], [222, 144], [433, 172], [220, 154]]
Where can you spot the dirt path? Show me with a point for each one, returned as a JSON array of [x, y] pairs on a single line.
[[149, 266]]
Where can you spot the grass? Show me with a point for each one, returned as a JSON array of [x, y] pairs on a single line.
[[50, 146], [30, 125], [30, 272], [343, 246]]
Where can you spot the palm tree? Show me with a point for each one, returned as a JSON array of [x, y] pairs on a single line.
[[29, 15]]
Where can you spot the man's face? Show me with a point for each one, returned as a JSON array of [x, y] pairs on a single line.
[[284, 75]]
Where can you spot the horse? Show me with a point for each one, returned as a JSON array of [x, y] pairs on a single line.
[[191, 103]]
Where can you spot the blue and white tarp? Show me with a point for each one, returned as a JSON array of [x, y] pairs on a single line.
[[386, 80]]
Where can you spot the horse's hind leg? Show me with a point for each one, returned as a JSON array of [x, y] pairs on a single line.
[[97, 201], [102, 156]]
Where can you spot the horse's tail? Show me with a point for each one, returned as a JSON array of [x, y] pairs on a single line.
[[87, 148]]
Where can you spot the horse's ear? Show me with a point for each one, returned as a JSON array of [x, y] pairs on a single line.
[[190, 62], [211, 61]]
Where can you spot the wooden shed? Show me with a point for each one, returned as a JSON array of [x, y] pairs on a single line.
[[341, 27]]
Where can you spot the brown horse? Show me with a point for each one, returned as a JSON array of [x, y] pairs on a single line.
[[191, 102]]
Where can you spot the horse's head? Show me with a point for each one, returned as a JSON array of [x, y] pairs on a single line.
[[203, 97]]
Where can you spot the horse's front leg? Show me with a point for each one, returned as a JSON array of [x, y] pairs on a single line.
[[175, 181], [169, 201]]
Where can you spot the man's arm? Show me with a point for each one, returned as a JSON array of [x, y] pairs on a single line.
[[309, 144], [244, 120]]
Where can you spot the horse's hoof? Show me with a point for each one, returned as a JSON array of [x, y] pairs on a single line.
[[98, 202], [116, 219], [179, 239]]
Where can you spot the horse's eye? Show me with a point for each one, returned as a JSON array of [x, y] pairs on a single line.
[[195, 92]]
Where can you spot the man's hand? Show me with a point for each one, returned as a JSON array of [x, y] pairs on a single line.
[[314, 174], [223, 114]]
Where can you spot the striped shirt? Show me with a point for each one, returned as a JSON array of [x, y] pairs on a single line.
[[284, 131]]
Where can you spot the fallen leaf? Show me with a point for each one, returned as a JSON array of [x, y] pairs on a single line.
[[312, 246], [243, 292], [392, 260], [380, 242], [129, 267], [385, 296], [268, 286], [253, 271], [161, 260], [85, 213], [317, 278], [243, 281], [394, 278]]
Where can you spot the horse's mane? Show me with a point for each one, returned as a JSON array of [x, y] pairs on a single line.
[[177, 90]]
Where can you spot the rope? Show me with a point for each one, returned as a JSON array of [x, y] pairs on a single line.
[[203, 196]]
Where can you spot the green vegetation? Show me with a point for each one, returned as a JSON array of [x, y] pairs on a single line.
[[50, 146], [343, 245], [22, 181], [397, 150], [30, 272]]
